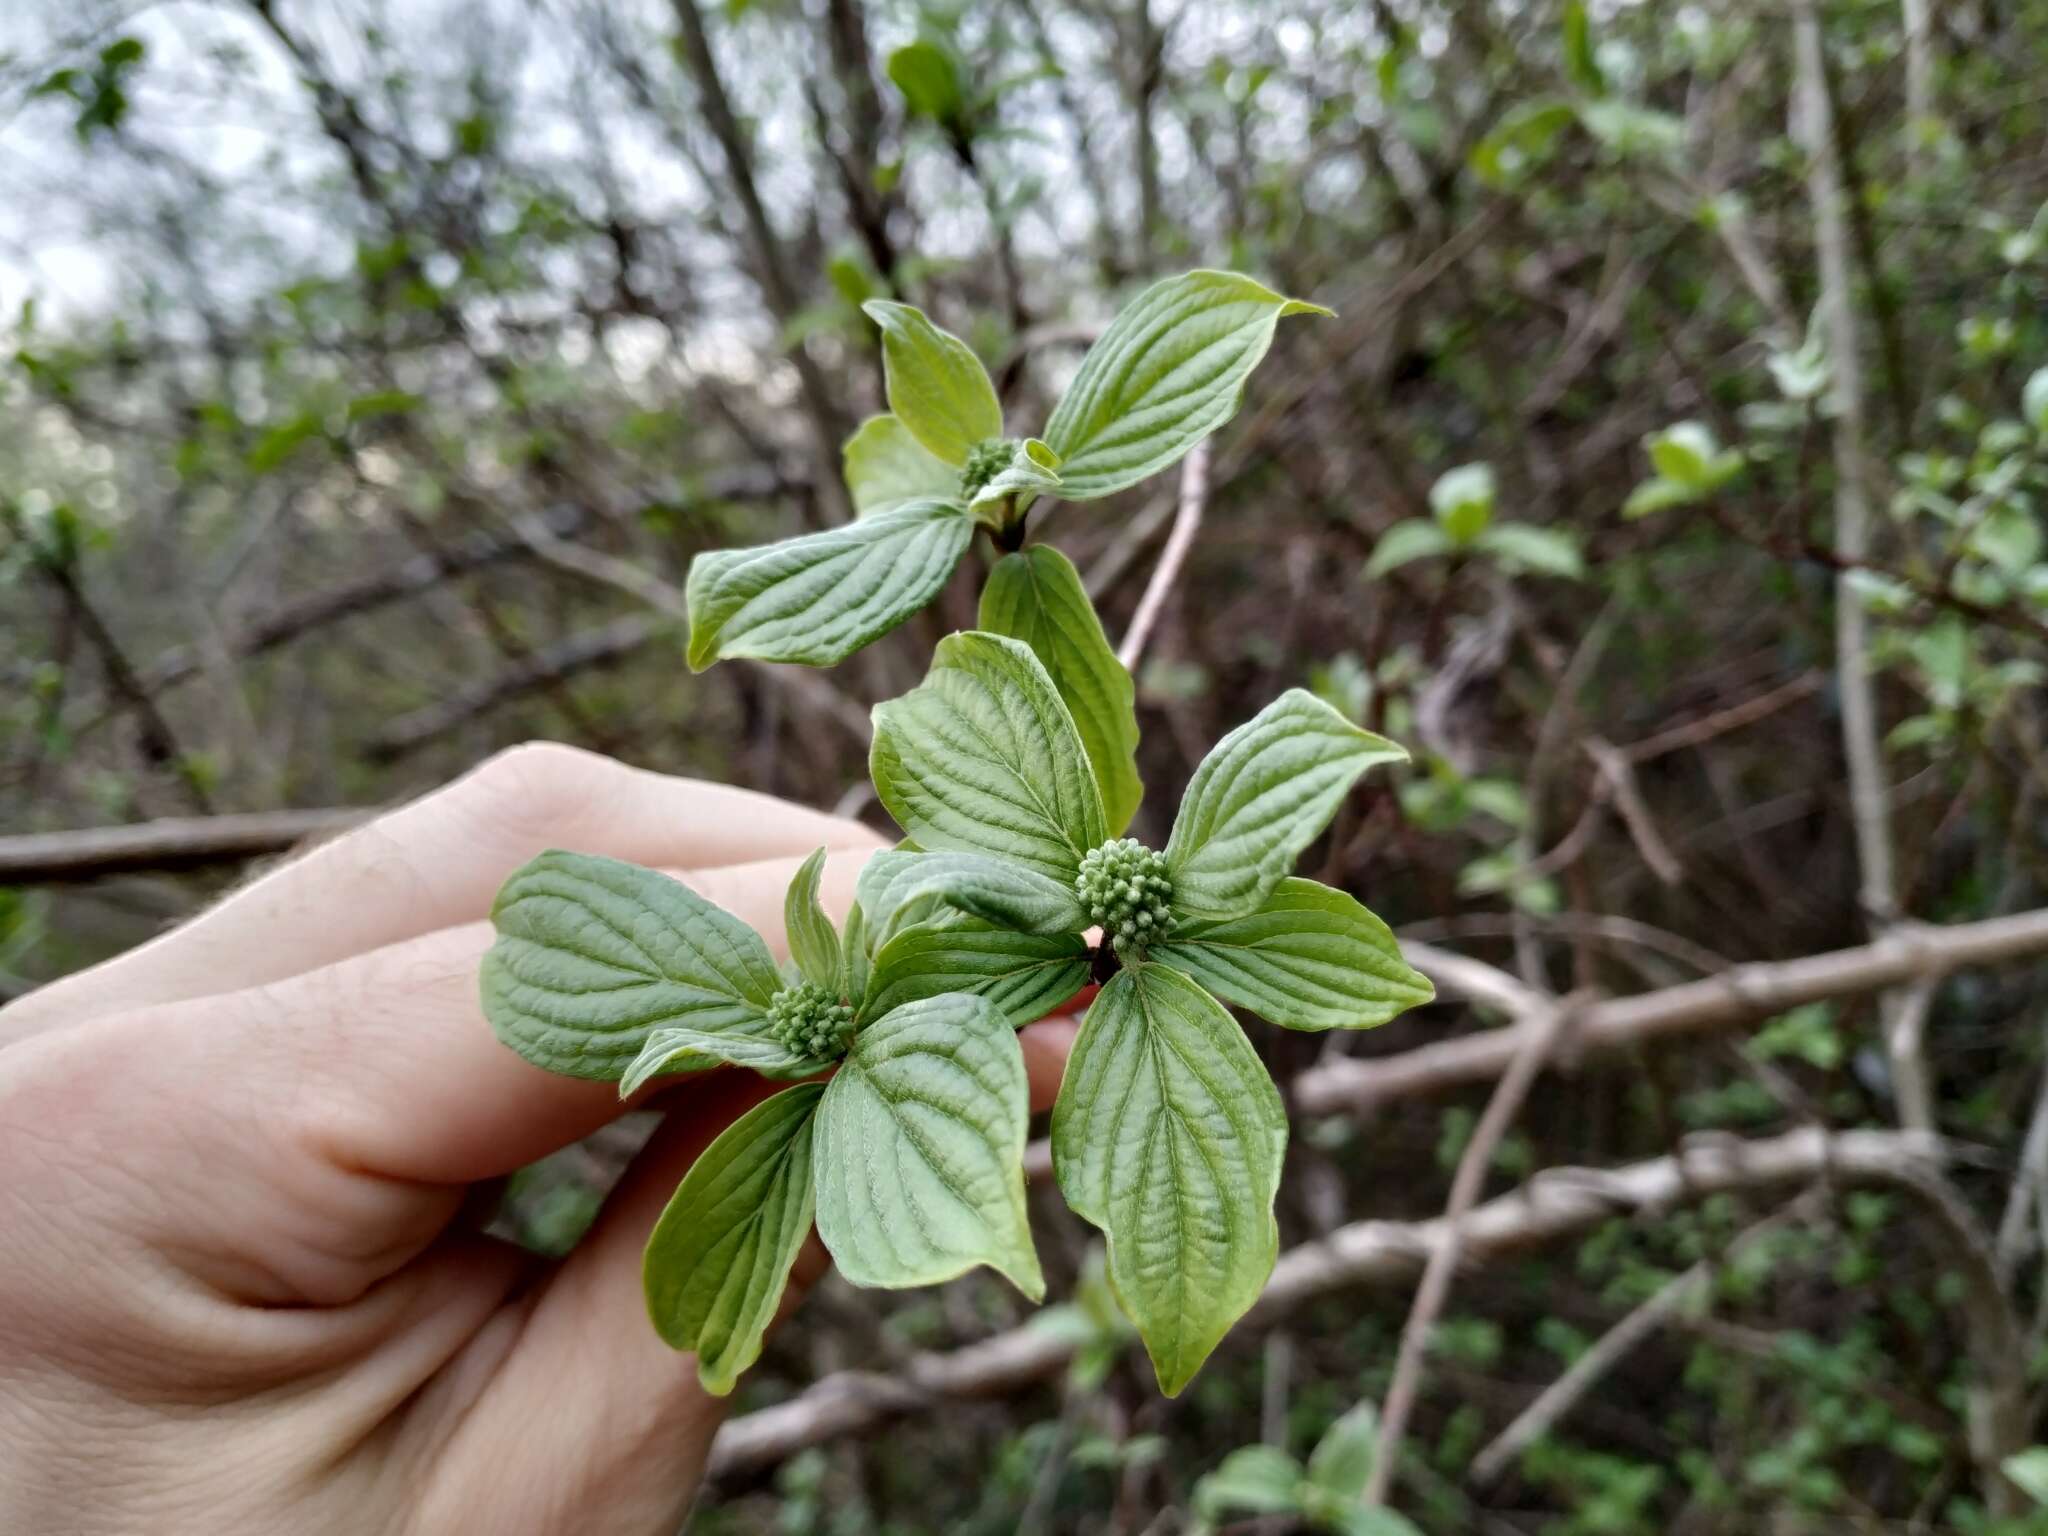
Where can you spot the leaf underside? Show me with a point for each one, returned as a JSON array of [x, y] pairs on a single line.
[[1024, 976], [1168, 1135], [593, 955], [719, 1257], [673, 1052], [819, 597], [920, 1145], [936, 385], [813, 941], [904, 888], [885, 467]]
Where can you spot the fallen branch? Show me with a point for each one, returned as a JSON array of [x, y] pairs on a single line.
[[1739, 995], [578, 653], [1555, 1204], [187, 842]]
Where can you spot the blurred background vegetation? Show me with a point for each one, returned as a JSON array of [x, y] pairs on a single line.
[[369, 374]]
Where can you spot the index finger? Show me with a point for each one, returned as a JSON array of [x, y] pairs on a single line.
[[434, 864]]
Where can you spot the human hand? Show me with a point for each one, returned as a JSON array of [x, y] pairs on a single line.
[[242, 1286]]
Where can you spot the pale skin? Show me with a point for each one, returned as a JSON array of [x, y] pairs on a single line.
[[243, 1285]]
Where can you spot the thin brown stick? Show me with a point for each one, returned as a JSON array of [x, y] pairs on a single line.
[[1187, 521], [1540, 1034], [1694, 733], [1558, 1399], [1559, 1203], [179, 842], [1345, 1085], [2030, 1182]]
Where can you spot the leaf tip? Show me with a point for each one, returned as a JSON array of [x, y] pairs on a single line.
[[1304, 307], [1031, 1282]]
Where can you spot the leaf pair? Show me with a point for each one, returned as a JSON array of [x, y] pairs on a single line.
[[1690, 467], [909, 1158], [1326, 1494], [1168, 371], [1462, 503], [1168, 1134]]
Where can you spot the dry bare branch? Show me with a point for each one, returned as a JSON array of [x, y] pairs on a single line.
[[180, 842], [1559, 1203]]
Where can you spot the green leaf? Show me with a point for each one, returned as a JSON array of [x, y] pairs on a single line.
[[1686, 454], [1521, 141], [593, 955], [1682, 452], [1341, 1464], [920, 1149], [887, 893], [1310, 958], [1543, 551], [1253, 1480], [936, 385], [376, 406], [1025, 976], [1032, 471], [1169, 371], [901, 889], [1657, 495], [1633, 131], [983, 757], [1168, 1135], [820, 597], [856, 971], [1371, 1520], [1463, 500], [1259, 798], [280, 442], [813, 942], [885, 467], [1581, 64], [2029, 1471], [1036, 596], [1409, 539], [719, 1258], [2034, 400], [2008, 537], [674, 1051], [929, 80]]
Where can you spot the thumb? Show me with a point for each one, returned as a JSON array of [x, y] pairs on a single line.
[[612, 1427], [578, 1417]]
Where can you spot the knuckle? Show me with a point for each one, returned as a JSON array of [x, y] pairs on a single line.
[[536, 784]]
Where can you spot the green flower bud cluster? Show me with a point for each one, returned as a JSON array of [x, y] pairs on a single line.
[[1124, 886], [985, 460], [809, 1021]]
